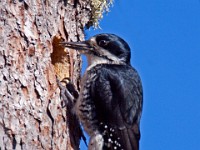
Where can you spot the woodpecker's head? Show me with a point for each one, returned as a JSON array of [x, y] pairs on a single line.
[[103, 48]]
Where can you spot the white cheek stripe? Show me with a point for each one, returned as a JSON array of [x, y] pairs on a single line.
[[98, 60]]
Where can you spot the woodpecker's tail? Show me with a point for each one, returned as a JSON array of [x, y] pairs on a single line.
[[129, 138]]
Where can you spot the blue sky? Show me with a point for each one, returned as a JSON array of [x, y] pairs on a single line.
[[164, 36]]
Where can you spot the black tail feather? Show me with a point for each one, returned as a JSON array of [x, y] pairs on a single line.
[[129, 138]]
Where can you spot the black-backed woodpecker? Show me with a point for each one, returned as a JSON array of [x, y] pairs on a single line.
[[109, 105]]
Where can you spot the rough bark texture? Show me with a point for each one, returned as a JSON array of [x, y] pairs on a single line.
[[31, 115]]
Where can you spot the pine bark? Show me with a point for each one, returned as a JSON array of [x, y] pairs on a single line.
[[31, 113]]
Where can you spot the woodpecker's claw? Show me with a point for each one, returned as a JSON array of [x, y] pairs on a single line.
[[67, 92], [69, 95]]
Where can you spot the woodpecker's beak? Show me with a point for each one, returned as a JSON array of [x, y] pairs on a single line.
[[81, 46]]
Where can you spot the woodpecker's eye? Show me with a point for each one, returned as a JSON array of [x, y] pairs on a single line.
[[103, 43]]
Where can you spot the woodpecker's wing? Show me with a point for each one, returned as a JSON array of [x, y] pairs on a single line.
[[117, 93]]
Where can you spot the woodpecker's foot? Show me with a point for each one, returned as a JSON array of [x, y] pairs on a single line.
[[68, 92], [69, 96], [96, 142]]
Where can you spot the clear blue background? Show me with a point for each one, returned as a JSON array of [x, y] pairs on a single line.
[[164, 36]]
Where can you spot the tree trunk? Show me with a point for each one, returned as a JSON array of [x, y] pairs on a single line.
[[31, 114]]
